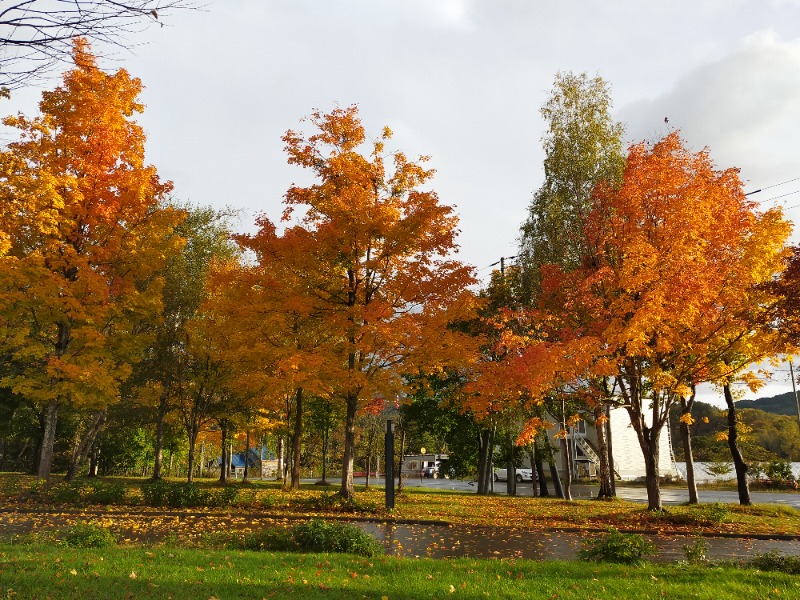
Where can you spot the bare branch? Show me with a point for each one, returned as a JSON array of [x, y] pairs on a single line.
[[36, 35]]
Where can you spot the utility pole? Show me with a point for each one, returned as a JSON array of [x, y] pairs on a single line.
[[502, 263], [511, 479]]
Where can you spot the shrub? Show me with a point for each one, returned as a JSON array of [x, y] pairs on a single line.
[[228, 495], [696, 553], [616, 547], [780, 471], [186, 495], [273, 538], [154, 493], [88, 492], [315, 535], [331, 536], [774, 561], [88, 536], [66, 493], [720, 469], [99, 492], [333, 502]]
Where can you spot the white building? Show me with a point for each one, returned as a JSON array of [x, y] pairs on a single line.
[[626, 451]]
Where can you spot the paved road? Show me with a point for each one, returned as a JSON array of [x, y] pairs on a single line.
[[670, 495]]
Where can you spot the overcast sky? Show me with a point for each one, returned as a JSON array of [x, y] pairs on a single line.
[[462, 81]]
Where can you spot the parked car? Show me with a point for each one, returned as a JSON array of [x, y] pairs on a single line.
[[521, 475], [430, 472]]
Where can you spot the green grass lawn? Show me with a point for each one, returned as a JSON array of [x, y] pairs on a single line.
[[48, 571]]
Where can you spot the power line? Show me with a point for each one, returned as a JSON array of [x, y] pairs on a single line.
[[782, 196], [766, 187]]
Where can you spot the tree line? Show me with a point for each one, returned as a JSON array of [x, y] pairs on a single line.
[[642, 273]]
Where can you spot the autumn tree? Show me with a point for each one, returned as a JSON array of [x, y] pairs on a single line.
[[745, 332], [36, 35], [668, 292], [86, 237], [787, 287], [381, 239], [277, 335]]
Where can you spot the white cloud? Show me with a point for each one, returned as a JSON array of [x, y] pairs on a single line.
[[743, 107]]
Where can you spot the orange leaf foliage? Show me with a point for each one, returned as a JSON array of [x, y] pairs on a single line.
[[84, 238]]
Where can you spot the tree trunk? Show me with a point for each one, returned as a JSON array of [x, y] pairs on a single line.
[[370, 441], [86, 444], [246, 455], [297, 438], [511, 473], [610, 452], [688, 457], [280, 459], [483, 458], [567, 455], [400, 485], [94, 459], [534, 471], [540, 475], [556, 479], [490, 462], [567, 470], [159, 450], [651, 477], [325, 435], [605, 492], [738, 460], [224, 459], [648, 441], [648, 437], [347, 491], [36, 455], [48, 441], [190, 460]]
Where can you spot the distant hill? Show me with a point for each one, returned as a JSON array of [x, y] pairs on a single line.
[[783, 404]]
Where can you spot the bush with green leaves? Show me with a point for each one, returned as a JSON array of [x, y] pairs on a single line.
[[88, 536], [102, 492], [779, 471], [315, 535], [227, 496], [616, 547], [775, 561], [186, 495], [88, 492], [332, 536], [333, 502], [696, 553], [154, 493]]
